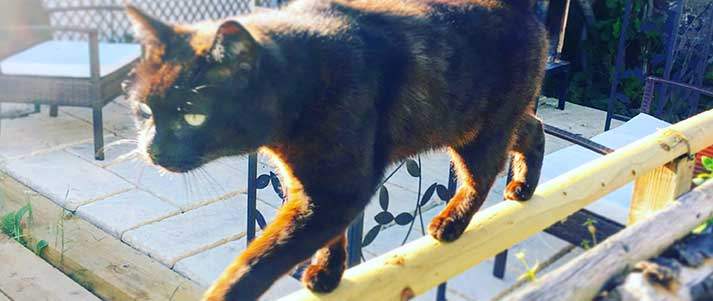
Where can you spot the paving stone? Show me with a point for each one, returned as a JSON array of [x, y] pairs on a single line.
[[111, 153], [183, 235], [213, 181], [116, 116], [478, 283], [206, 266], [66, 179], [37, 132], [126, 211]]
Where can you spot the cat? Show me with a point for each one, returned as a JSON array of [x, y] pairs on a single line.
[[335, 91]]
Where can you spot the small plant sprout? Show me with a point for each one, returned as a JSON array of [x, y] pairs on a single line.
[[707, 163], [586, 244], [530, 273], [701, 178], [589, 223], [702, 227], [12, 223]]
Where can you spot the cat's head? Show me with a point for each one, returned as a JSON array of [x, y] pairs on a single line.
[[195, 92]]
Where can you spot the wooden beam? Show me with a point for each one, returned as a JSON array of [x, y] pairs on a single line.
[[98, 261], [663, 185], [25, 276], [583, 277], [424, 263]]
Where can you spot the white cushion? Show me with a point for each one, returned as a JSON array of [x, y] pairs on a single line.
[[68, 59], [615, 205]]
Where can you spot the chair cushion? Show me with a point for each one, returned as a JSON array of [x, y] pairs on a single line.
[[615, 205], [68, 59]]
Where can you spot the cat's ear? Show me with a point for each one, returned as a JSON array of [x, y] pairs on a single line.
[[234, 43], [149, 30]]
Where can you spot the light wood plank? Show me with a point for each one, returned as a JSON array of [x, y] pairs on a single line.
[[583, 277], [25, 276], [663, 185], [424, 263], [98, 261]]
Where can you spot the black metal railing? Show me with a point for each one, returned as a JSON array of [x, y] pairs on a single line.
[[356, 239]]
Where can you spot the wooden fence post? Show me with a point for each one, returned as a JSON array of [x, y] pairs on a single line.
[[663, 185]]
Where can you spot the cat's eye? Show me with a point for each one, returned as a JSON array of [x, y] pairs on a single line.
[[145, 110], [194, 119]]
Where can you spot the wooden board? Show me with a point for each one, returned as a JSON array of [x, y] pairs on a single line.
[[583, 277], [25, 276], [422, 264], [655, 189], [98, 261]]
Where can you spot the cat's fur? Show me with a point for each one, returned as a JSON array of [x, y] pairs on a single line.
[[336, 91]]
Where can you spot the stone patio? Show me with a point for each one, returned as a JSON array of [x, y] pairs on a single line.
[[196, 223]]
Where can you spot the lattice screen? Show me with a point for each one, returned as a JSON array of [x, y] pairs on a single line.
[[113, 24]]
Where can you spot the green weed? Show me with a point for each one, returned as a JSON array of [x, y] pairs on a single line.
[[12, 226], [530, 272], [701, 178]]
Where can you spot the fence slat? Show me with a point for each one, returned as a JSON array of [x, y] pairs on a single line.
[[583, 277], [659, 187], [424, 263]]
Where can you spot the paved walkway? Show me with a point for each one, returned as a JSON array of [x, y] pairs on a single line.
[[195, 223]]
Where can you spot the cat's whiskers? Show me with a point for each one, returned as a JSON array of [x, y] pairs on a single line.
[[213, 185], [163, 172], [133, 154], [141, 173], [223, 162], [120, 142], [187, 185]]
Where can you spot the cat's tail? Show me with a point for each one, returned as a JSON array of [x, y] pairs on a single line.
[[521, 4]]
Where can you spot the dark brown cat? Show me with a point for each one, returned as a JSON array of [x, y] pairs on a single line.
[[336, 91]]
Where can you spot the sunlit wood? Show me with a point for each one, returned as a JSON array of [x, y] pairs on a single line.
[[423, 264]]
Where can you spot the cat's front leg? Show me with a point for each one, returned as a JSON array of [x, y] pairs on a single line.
[[478, 164], [302, 226]]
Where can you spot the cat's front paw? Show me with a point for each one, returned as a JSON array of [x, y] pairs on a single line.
[[319, 279], [446, 228], [519, 191]]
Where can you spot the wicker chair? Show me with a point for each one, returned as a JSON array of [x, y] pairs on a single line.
[[90, 53]]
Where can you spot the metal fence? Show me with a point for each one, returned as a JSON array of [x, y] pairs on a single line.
[[110, 19]]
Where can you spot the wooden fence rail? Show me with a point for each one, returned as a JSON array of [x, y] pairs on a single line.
[[424, 263], [633, 244]]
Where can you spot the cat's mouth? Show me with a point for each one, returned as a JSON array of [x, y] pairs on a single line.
[[181, 165]]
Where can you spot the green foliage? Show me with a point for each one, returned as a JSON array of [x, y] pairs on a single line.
[[530, 272], [590, 85], [12, 223], [702, 227], [589, 223], [701, 178], [41, 245], [707, 163]]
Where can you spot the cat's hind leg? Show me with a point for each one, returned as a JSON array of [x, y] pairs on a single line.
[[526, 159], [477, 164], [328, 265]]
